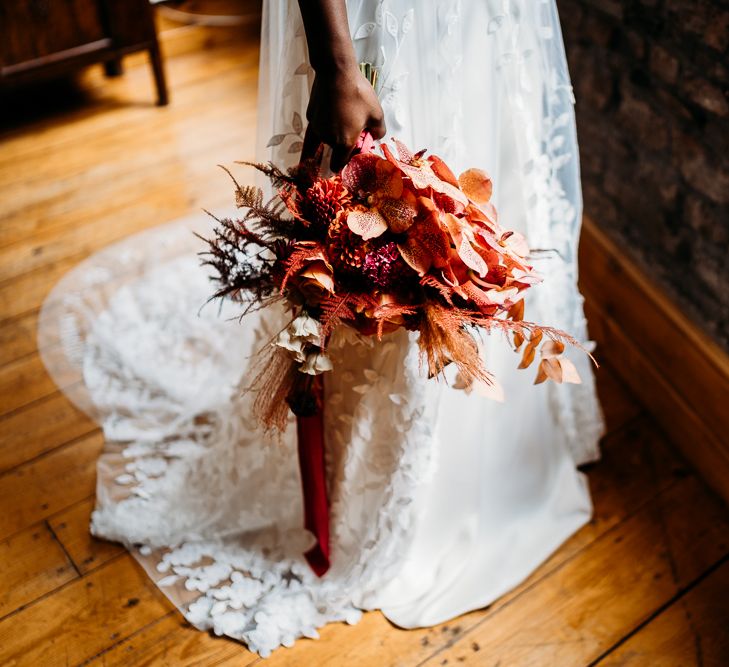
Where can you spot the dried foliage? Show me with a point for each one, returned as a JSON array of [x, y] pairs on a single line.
[[394, 241]]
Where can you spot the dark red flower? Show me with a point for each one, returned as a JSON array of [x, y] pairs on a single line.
[[384, 266]]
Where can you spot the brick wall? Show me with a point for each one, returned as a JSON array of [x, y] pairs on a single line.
[[651, 79]]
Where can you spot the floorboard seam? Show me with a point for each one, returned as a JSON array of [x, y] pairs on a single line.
[[39, 399], [126, 639], [48, 594], [680, 593], [63, 548], [35, 459]]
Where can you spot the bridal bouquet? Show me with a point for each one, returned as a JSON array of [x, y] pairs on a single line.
[[395, 240]]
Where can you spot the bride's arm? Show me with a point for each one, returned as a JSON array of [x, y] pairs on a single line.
[[343, 102]]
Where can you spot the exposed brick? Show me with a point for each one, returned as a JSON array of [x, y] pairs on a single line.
[[716, 34], [706, 220], [707, 95], [701, 174], [642, 124], [663, 64], [652, 84]]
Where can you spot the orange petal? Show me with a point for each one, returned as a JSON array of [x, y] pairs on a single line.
[[442, 170], [403, 151], [516, 243], [492, 390], [398, 213], [389, 179], [388, 155], [459, 233], [415, 255], [476, 185], [434, 239], [320, 276], [361, 172], [423, 178], [502, 296], [479, 297], [368, 224]]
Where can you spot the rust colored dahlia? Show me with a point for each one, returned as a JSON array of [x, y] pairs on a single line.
[[347, 251], [323, 201]]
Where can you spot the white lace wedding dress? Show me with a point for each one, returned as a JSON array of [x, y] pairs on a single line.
[[441, 501]]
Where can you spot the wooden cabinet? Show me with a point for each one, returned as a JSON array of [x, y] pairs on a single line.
[[45, 37]]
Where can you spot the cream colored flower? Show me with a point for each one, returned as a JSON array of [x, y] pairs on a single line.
[[316, 363], [305, 328], [293, 345]]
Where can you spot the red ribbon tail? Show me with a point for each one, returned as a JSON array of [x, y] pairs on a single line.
[[310, 432]]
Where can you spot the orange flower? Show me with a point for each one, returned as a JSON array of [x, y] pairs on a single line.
[[315, 282], [426, 174], [385, 204]]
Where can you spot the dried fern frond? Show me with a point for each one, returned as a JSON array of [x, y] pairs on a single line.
[[277, 176]]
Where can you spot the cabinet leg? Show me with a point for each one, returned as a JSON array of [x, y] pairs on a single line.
[[160, 82], [113, 67]]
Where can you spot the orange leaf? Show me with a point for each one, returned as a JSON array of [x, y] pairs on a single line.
[[516, 312], [553, 369], [476, 185], [569, 372], [549, 369], [530, 349], [552, 348]]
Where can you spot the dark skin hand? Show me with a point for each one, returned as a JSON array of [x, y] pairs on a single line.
[[342, 102]]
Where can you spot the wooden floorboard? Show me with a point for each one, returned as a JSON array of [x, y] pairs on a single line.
[[71, 528], [46, 424], [45, 486], [642, 584], [32, 563], [693, 630], [82, 618]]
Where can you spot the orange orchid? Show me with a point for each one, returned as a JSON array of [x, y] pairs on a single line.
[[385, 204], [426, 173]]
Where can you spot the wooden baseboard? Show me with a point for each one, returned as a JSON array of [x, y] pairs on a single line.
[[673, 368]]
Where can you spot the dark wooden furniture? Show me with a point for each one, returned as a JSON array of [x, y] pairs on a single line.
[[43, 38]]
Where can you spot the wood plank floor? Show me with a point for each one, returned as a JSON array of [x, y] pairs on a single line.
[[644, 583]]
